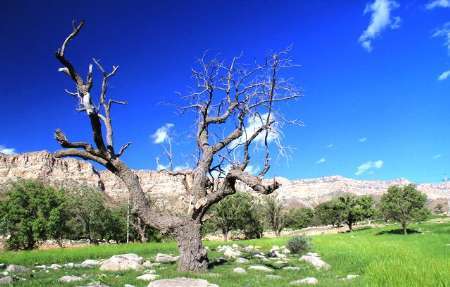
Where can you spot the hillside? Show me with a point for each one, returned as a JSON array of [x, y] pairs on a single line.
[[169, 189]]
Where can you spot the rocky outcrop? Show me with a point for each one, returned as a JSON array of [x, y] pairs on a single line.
[[167, 190]]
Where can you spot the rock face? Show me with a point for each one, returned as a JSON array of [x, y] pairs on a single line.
[[169, 190]]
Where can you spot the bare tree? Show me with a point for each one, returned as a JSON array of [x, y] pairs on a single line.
[[239, 100]]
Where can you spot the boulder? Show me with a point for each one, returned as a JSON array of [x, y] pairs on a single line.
[[260, 268], [181, 282], [292, 268], [165, 258], [123, 262], [305, 281], [315, 260], [273, 277], [147, 277], [89, 263], [241, 260], [231, 253], [16, 268], [69, 279], [239, 270], [55, 266]]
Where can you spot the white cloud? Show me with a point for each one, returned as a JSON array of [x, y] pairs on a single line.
[[438, 4], [320, 161], [444, 75], [8, 151], [362, 140], [162, 134], [330, 146], [253, 124], [369, 166], [437, 156], [444, 32], [380, 20], [181, 167]]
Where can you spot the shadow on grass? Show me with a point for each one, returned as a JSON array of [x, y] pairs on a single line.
[[398, 231], [217, 262]]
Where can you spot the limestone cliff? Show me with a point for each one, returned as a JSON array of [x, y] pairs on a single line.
[[169, 191]]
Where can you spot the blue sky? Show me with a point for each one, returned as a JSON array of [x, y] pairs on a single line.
[[376, 98]]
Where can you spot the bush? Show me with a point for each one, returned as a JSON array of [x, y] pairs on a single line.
[[299, 245]]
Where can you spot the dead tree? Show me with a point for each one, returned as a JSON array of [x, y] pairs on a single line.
[[228, 97]]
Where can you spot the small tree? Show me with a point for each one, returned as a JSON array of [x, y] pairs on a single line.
[[229, 213], [298, 218], [329, 213], [273, 210], [352, 209], [404, 204], [32, 212]]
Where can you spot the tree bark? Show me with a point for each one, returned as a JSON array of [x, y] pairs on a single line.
[[193, 256], [405, 231], [225, 235], [350, 226]]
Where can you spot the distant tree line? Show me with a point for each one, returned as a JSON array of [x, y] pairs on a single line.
[[31, 212], [243, 213]]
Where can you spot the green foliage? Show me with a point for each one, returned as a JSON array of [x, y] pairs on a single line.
[[274, 213], [299, 245], [404, 204], [347, 208], [32, 212], [298, 218], [235, 212]]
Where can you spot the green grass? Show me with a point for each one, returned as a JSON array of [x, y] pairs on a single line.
[[380, 257]]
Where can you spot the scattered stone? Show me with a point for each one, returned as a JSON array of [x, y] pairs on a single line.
[[147, 277], [315, 260], [6, 280], [69, 265], [292, 268], [123, 262], [239, 270], [350, 277], [165, 258], [69, 279], [305, 281], [273, 277], [260, 268], [147, 264], [55, 266], [89, 263], [128, 285], [181, 282], [231, 253], [43, 267], [17, 268], [241, 260], [95, 284]]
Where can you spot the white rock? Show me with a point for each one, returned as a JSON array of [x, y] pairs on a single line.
[[69, 279], [241, 260], [165, 258], [239, 270], [16, 268], [147, 264], [231, 253], [181, 282], [147, 277], [260, 268], [55, 266], [128, 285], [350, 277], [89, 263], [292, 268], [305, 281], [315, 260], [69, 265], [123, 262], [273, 277]]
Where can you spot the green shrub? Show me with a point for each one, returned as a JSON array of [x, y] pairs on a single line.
[[299, 245]]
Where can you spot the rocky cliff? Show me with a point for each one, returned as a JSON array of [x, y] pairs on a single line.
[[169, 190]]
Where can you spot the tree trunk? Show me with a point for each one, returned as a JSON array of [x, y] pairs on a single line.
[[225, 235], [350, 226], [405, 231], [193, 257]]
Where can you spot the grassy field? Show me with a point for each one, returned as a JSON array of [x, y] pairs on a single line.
[[380, 256]]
